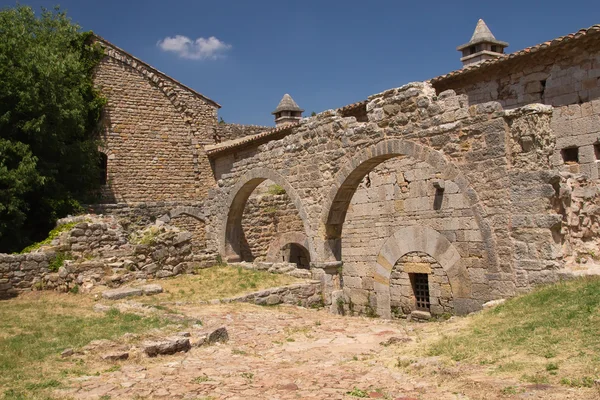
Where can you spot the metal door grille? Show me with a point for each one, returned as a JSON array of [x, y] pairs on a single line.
[[421, 288]]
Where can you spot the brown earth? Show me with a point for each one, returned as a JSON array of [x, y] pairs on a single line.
[[288, 352]]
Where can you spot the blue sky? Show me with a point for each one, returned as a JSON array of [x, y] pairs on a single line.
[[326, 54]]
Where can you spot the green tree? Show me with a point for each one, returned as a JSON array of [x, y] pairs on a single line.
[[49, 119]]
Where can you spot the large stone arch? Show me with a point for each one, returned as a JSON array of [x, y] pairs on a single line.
[[230, 221], [283, 239], [358, 164], [426, 240]]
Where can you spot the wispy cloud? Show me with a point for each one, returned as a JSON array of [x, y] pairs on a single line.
[[199, 49]]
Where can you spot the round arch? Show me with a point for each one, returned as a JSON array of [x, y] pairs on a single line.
[[281, 240], [230, 230], [426, 240], [361, 162]]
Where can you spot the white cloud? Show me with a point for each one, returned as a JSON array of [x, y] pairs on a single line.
[[199, 49]]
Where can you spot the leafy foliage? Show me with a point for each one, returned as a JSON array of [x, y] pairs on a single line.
[[54, 233], [49, 111]]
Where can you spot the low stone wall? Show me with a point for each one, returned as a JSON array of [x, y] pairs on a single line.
[[137, 215], [301, 294], [21, 272], [96, 251]]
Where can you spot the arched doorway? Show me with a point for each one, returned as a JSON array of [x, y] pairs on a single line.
[[290, 247]]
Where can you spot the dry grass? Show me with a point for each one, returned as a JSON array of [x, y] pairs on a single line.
[[34, 330], [217, 283], [549, 336]]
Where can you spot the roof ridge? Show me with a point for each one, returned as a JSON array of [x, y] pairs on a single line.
[[196, 93]]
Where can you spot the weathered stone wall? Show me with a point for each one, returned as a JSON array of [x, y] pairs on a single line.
[[564, 76], [138, 215], [402, 293], [154, 129], [567, 78], [483, 156], [577, 126], [579, 205], [265, 216], [97, 251], [193, 225], [400, 193]]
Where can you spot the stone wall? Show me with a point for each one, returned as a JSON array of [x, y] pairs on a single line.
[[402, 285], [579, 205], [490, 166], [567, 78], [154, 129], [138, 215], [97, 251], [401, 193], [577, 126], [561, 77], [266, 215]]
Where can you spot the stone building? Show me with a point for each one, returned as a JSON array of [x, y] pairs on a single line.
[[436, 196]]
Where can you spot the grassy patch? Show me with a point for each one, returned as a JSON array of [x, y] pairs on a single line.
[[54, 233], [276, 190], [36, 328], [147, 236], [217, 283], [550, 335]]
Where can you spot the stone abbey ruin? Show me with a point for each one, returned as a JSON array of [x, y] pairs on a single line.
[[436, 196]]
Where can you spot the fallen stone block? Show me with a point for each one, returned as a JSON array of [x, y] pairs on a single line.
[[67, 353], [493, 303], [218, 335], [167, 346], [151, 289], [121, 293], [420, 315], [101, 308], [116, 356], [273, 300]]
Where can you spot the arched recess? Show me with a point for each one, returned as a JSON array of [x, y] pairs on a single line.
[[281, 240], [426, 240], [358, 164], [230, 233]]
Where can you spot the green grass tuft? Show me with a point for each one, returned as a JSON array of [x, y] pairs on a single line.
[[535, 333]]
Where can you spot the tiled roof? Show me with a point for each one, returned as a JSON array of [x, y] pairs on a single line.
[[273, 134], [276, 133], [591, 31]]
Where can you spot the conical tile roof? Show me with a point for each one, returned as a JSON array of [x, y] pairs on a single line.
[[482, 34], [287, 104]]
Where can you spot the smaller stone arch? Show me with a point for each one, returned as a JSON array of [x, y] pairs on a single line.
[[192, 211], [229, 229], [429, 241], [281, 240]]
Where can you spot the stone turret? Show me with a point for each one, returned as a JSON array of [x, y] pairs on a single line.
[[287, 112], [482, 46]]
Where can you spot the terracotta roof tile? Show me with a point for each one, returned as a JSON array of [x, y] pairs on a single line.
[[214, 149]]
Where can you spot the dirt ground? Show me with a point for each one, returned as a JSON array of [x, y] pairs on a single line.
[[288, 352]]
